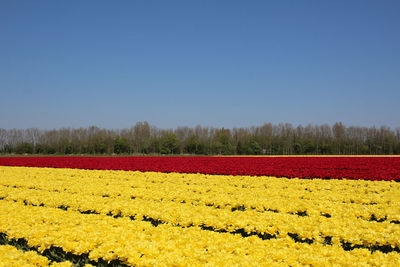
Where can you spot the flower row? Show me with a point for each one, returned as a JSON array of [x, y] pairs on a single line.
[[11, 256], [140, 244], [332, 198], [369, 168], [347, 227], [316, 228]]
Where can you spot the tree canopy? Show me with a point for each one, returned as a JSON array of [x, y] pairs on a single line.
[[268, 139]]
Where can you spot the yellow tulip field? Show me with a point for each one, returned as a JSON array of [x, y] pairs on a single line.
[[75, 217]]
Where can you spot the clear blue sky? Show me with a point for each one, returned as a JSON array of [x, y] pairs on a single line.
[[213, 63]]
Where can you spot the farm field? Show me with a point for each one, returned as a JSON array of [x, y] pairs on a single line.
[[369, 168], [188, 211]]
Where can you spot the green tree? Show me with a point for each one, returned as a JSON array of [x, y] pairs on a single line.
[[7, 148], [254, 148], [169, 144], [120, 145], [193, 145], [309, 146], [297, 148], [223, 142], [24, 148], [240, 149]]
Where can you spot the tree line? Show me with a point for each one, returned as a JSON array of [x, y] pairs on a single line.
[[142, 138]]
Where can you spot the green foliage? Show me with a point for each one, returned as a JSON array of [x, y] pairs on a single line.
[[297, 148], [169, 144], [254, 148], [193, 145], [309, 147], [240, 149], [223, 142], [120, 145], [143, 138], [325, 149], [24, 148], [7, 149]]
